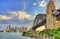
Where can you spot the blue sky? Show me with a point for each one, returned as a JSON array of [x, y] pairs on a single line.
[[21, 12]]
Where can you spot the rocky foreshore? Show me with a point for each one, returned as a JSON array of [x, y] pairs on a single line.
[[47, 33]]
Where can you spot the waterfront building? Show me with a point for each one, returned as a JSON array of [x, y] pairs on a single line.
[[23, 29], [10, 29]]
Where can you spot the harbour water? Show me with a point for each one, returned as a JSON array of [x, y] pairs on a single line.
[[13, 35]]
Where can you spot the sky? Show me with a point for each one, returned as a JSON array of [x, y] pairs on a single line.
[[22, 12]]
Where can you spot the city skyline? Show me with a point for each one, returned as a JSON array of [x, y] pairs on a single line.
[[21, 12]]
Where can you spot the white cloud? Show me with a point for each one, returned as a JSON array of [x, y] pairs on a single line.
[[34, 4], [3, 17], [22, 15], [42, 3], [18, 15]]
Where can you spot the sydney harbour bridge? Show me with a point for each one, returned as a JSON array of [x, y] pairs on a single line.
[[48, 20], [40, 19]]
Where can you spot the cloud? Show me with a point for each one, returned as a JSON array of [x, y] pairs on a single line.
[[3, 17], [34, 4], [21, 15], [42, 3], [23, 18]]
